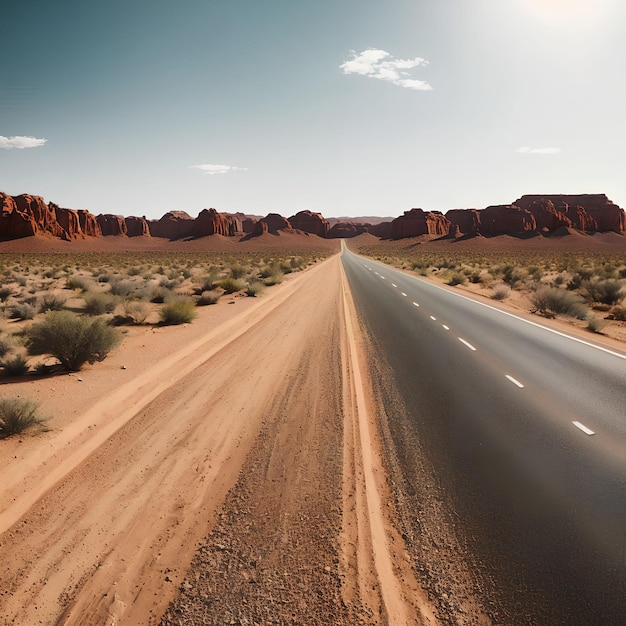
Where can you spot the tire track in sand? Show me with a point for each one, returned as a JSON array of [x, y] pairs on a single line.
[[108, 534]]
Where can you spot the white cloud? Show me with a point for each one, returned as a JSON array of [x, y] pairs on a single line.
[[8, 143], [211, 169], [380, 64], [529, 150]]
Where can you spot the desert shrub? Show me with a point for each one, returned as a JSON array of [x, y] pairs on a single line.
[[5, 293], [273, 279], [15, 365], [6, 345], [122, 287], [134, 271], [269, 270], [98, 303], [207, 283], [238, 271], [617, 313], [23, 311], [457, 279], [180, 311], [501, 292], [231, 285], [72, 339], [606, 291], [296, 262], [208, 297], [136, 311], [18, 415], [160, 295], [512, 275], [78, 282], [52, 301], [595, 324], [554, 301], [254, 289]]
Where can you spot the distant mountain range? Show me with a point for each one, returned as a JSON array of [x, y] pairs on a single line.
[[29, 215]]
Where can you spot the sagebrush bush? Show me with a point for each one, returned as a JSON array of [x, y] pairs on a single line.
[[52, 301], [78, 282], [273, 279], [457, 279], [98, 303], [617, 313], [136, 311], [231, 285], [254, 289], [160, 295], [208, 297], [5, 293], [180, 311], [238, 271], [122, 287], [15, 365], [72, 339], [23, 311], [606, 291], [501, 292], [6, 345], [554, 301], [18, 415], [595, 324]]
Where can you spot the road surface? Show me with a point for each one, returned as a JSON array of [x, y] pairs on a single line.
[[521, 431]]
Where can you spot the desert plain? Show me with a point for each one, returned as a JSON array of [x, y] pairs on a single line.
[[237, 468]]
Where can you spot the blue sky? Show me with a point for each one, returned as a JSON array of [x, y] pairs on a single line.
[[345, 107]]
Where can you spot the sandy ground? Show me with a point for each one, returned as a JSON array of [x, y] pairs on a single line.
[[244, 445]]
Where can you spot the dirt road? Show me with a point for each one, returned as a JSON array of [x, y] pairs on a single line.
[[251, 453]]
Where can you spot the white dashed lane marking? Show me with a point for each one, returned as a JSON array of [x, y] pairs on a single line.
[[584, 428], [467, 343], [515, 381], [394, 285], [415, 304], [433, 318], [404, 294], [445, 327]]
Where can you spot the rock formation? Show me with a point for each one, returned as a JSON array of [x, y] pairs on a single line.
[[418, 222], [137, 227], [309, 222], [271, 223], [210, 222], [248, 225], [547, 217], [173, 225], [466, 220], [608, 216], [111, 224], [69, 221], [89, 224], [345, 230], [26, 215], [382, 229], [506, 220]]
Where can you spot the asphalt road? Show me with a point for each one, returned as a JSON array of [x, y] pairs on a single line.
[[526, 428]]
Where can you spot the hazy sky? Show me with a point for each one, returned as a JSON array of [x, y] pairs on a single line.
[[348, 107]]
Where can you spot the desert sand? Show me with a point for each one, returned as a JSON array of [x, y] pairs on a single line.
[[241, 445]]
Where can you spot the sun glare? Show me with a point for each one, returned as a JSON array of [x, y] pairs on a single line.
[[570, 12]]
